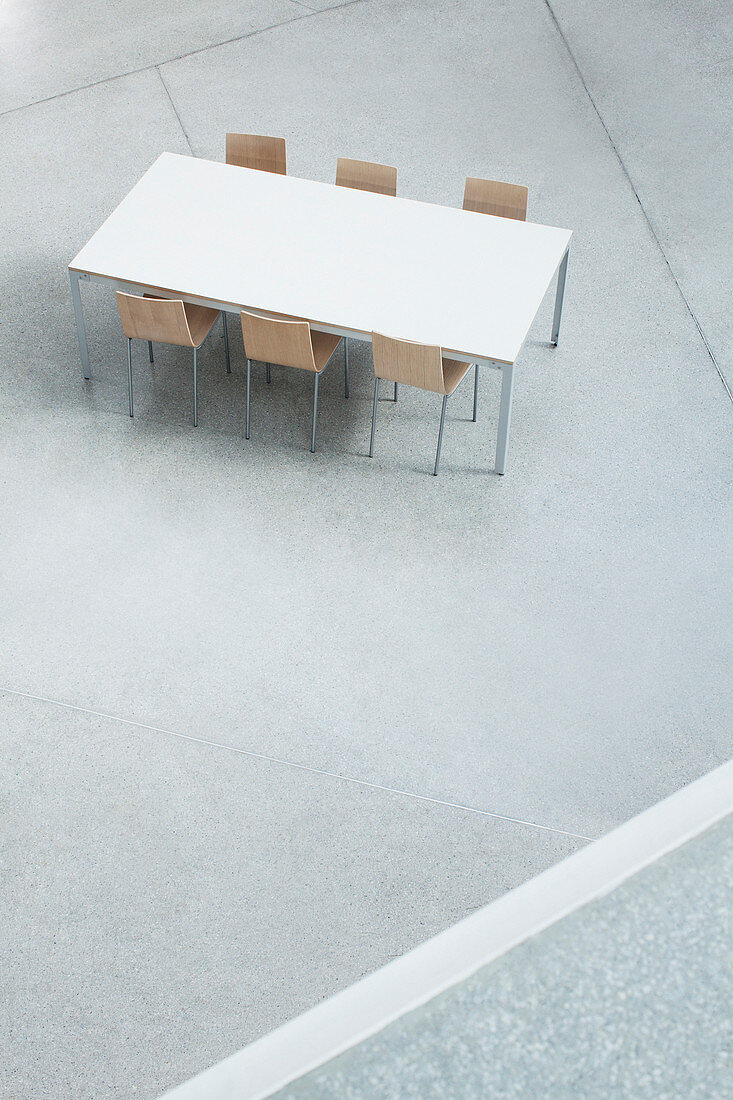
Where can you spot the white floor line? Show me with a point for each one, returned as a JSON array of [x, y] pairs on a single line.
[[363, 1009], [291, 764]]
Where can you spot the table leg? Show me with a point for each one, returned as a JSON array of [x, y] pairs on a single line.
[[79, 316], [559, 295], [505, 416]]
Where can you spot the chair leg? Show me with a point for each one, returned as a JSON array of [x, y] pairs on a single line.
[[249, 386], [440, 436], [226, 341], [150, 350], [475, 391], [267, 373], [374, 417], [129, 371], [315, 413], [346, 367], [195, 388], [395, 392]]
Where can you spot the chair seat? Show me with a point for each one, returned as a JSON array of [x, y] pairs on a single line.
[[324, 345], [200, 321], [453, 372]]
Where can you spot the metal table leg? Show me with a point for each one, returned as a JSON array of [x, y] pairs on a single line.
[[559, 295], [505, 416], [81, 332], [374, 417]]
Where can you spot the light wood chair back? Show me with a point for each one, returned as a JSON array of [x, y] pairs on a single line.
[[267, 154], [418, 365], [365, 176], [287, 343], [162, 320], [504, 200]]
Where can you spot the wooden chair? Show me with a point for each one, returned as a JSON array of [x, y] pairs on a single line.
[[289, 343], [267, 154], [503, 200], [419, 365], [363, 175], [168, 321]]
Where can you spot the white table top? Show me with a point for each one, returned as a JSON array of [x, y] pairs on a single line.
[[339, 257]]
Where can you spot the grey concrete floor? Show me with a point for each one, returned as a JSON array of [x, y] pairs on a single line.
[[549, 647]]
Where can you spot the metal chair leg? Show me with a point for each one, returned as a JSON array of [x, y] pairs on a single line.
[[374, 416], [440, 436], [226, 341], [150, 350], [346, 367], [475, 391], [195, 388], [395, 392], [129, 370], [249, 386], [315, 412], [267, 372]]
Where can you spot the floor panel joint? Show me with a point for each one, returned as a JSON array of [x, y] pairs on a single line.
[[647, 219], [306, 14], [311, 769]]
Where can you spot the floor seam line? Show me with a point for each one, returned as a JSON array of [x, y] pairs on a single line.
[[307, 13], [629, 180], [311, 769], [175, 109]]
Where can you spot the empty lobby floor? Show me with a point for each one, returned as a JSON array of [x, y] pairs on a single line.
[[270, 718]]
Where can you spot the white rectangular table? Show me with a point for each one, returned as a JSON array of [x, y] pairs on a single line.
[[349, 261]]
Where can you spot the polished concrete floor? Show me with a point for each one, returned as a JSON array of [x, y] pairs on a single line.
[[270, 718]]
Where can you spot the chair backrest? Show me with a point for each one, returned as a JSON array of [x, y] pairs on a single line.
[[365, 176], [287, 343], [505, 200], [418, 365], [267, 154], [160, 319]]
